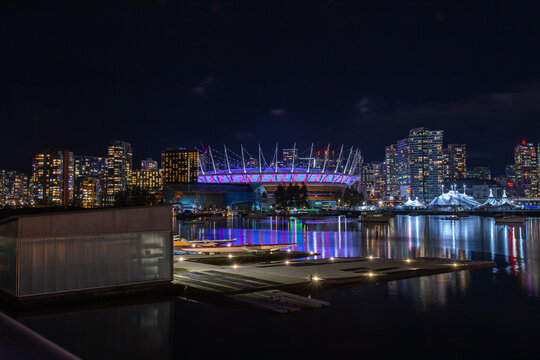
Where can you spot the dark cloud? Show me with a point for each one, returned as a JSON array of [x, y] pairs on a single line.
[[204, 86], [278, 112]]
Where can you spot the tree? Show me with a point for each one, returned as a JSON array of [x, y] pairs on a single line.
[[303, 195], [280, 196]]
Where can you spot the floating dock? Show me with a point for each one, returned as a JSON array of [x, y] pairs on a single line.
[[255, 282]]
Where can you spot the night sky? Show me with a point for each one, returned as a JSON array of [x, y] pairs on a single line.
[[169, 74]]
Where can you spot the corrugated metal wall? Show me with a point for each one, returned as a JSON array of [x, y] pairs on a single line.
[[49, 265], [8, 256]]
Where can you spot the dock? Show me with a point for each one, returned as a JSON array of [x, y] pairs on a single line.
[[264, 285]]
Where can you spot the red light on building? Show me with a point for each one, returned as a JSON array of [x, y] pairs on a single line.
[[510, 184]]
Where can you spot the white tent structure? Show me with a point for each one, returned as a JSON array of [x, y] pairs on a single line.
[[504, 202], [411, 204], [454, 199], [492, 204], [491, 201]]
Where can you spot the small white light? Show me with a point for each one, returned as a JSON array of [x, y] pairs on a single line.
[[331, 259], [315, 278], [230, 256], [408, 260], [235, 266], [371, 274], [311, 252], [370, 257], [229, 244], [182, 259], [288, 250], [455, 264], [286, 262]]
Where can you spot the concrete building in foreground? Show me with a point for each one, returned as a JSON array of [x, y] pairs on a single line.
[[85, 252]]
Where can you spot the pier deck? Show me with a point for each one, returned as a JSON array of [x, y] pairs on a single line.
[[285, 274]]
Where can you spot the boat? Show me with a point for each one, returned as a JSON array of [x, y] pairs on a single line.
[[180, 242], [453, 218], [245, 248], [374, 219], [510, 220], [194, 222]]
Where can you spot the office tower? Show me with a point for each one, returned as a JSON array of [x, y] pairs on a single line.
[[455, 162], [148, 179], [367, 180], [119, 167], [52, 177], [379, 179], [88, 191], [425, 162], [90, 165], [403, 169], [526, 169], [179, 166], [149, 164], [391, 164]]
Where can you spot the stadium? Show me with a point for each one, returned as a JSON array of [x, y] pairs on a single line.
[[326, 172]]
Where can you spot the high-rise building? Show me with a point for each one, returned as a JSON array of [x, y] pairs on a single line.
[[88, 191], [379, 179], [526, 169], [52, 177], [148, 179], [19, 193], [90, 165], [149, 164], [391, 164], [403, 170], [455, 162], [119, 167], [179, 166], [425, 162]]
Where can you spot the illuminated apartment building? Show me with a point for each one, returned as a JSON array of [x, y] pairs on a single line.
[[526, 169], [426, 166], [52, 177], [180, 166], [119, 168], [455, 162], [391, 168], [148, 179], [149, 164], [90, 165], [88, 194]]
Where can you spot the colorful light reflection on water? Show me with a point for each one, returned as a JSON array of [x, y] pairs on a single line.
[[513, 248]]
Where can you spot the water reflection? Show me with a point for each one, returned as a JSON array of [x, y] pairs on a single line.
[[502, 301], [513, 248]]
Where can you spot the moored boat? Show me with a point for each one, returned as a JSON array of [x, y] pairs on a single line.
[[512, 220], [245, 248], [374, 219]]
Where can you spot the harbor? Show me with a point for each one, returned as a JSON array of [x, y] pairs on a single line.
[[424, 270]]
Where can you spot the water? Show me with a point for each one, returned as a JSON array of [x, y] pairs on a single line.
[[486, 313]]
